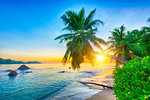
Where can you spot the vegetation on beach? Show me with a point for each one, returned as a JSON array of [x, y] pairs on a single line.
[[125, 44], [132, 81], [81, 38]]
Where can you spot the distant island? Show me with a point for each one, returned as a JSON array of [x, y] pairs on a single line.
[[9, 61]]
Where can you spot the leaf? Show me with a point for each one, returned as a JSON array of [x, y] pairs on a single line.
[[64, 35]]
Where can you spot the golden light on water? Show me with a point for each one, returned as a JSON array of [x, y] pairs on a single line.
[[100, 58]]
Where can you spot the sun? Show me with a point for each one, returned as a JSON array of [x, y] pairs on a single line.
[[100, 57]]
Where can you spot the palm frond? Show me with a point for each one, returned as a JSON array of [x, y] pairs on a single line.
[[93, 24], [137, 48], [89, 17], [65, 19], [63, 36], [66, 55], [101, 41], [98, 46]]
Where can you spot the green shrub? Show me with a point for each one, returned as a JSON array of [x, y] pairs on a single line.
[[132, 81]]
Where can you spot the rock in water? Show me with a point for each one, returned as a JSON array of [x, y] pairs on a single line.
[[61, 72], [28, 72], [12, 73], [23, 67]]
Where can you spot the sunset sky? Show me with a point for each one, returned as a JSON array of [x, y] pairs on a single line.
[[28, 27]]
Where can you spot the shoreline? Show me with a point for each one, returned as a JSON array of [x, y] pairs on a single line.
[[104, 77], [103, 95]]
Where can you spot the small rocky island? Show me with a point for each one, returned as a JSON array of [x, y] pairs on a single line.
[[23, 67]]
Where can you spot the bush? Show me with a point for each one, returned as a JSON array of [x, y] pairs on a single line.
[[132, 81]]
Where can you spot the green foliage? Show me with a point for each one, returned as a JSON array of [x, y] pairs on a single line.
[[125, 44], [132, 81], [81, 37], [145, 41]]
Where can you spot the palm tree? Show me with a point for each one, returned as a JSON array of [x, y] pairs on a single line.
[[124, 45], [81, 37]]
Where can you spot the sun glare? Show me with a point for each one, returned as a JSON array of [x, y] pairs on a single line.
[[100, 57]]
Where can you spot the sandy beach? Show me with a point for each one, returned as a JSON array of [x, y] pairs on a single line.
[[106, 79], [103, 95]]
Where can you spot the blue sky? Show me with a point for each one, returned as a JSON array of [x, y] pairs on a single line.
[[28, 27]]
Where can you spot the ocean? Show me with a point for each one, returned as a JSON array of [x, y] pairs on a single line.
[[45, 82]]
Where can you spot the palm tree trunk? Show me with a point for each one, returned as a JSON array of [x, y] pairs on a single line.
[[114, 57], [136, 56], [117, 58]]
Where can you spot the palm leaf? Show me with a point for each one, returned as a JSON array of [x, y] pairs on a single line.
[[64, 36], [93, 23], [98, 46], [66, 55], [89, 17], [101, 41]]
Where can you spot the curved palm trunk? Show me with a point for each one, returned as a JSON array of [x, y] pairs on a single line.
[[117, 58], [114, 57], [136, 56]]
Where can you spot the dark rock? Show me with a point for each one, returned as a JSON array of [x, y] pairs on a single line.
[[28, 72], [23, 67], [90, 72], [12, 73], [61, 72]]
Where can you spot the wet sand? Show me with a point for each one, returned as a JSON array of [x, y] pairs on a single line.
[[105, 77], [103, 95]]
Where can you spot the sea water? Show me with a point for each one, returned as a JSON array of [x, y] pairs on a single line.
[[43, 82]]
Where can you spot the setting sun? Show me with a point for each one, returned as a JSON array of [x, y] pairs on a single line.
[[100, 57]]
